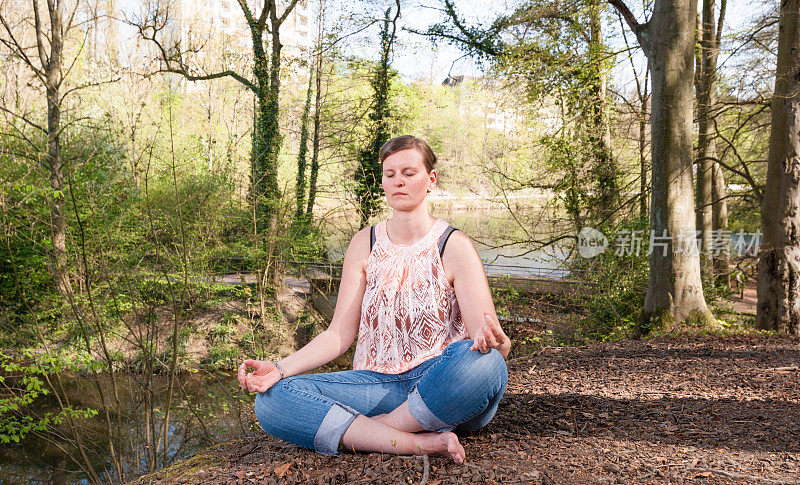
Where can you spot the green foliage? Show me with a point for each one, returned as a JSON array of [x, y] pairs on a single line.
[[222, 355], [23, 383], [619, 286], [368, 172]]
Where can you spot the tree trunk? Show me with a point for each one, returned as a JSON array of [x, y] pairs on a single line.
[[273, 137], [779, 259], [300, 185], [643, 96], [368, 173], [705, 142], [674, 291], [599, 132], [58, 221], [642, 162], [722, 266], [712, 210], [312, 182]]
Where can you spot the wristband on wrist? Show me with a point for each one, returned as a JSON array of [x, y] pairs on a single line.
[[279, 369]]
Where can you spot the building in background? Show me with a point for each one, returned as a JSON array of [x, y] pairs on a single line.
[[214, 31], [499, 107]]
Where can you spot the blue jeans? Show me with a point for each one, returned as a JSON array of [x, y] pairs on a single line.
[[459, 389]]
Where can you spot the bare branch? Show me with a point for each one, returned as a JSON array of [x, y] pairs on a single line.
[[640, 30], [291, 6], [720, 21], [626, 13], [39, 36], [174, 62], [72, 17], [15, 46], [23, 118], [262, 19], [89, 85]]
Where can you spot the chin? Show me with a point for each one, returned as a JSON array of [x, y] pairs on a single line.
[[403, 206]]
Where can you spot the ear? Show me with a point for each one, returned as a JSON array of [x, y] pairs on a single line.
[[433, 176]]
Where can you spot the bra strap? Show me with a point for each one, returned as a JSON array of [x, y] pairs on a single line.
[[444, 237], [371, 237]]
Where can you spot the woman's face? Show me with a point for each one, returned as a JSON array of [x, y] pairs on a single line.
[[405, 180]]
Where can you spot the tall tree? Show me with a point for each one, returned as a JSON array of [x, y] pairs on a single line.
[[779, 260], [300, 185], [674, 292], [712, 207], [265, 33], [45, 60], [599, 133], [643, 98], [368, 172], [312, 182]]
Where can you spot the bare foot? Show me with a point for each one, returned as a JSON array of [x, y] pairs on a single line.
[[446, 444]]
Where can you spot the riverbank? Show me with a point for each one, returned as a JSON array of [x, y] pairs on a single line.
[[721, 409]]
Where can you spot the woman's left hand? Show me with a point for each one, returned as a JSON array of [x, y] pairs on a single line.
[[491, 336]]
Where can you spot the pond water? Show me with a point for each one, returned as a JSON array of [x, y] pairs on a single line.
[[210, 409], [496, 234]]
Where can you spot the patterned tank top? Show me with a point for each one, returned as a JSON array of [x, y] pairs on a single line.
[[409, 312]]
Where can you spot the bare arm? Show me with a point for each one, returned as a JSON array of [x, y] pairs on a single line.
[[473, 295], [343, 329], [334, 341]]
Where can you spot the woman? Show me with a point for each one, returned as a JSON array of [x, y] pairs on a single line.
[[430, 356]]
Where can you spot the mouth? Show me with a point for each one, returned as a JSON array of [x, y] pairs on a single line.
[[399, 193]]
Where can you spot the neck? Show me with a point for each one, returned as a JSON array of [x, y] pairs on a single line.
[[408, 227]]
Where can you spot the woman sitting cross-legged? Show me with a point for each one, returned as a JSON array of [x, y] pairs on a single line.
[[430, 356]]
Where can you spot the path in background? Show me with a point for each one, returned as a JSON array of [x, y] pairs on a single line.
[[745, 303]]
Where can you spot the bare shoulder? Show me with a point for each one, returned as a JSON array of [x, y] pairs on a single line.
[[358, 249], [460, 254], [458, 244]]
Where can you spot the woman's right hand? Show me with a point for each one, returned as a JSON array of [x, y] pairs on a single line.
[[262, 378]]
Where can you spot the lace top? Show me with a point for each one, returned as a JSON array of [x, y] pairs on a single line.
[[409, 312]]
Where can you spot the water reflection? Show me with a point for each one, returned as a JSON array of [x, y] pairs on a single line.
[[206, 409], [499, 237]]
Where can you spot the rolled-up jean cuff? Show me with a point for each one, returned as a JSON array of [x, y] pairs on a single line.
[[423, 415], [334, 424]]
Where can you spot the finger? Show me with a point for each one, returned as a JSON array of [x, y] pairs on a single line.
[[259, 387], [495, 328], [482, 345], [255, 364], [241, 375], [491, 342], [250, 384], [501, 337], [487, 342], [263, 386], [491, 321], [475, 341], [497, 332]]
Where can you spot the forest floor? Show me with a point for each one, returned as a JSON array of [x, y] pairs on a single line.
[[702, 409]]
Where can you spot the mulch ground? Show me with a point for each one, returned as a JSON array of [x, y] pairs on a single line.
[[693, 409]]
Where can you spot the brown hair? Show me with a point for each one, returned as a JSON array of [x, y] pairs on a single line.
[[406, 142]]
